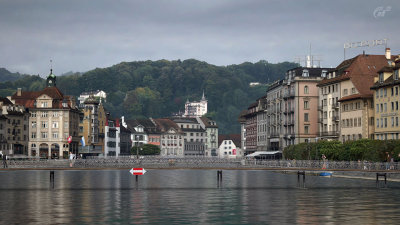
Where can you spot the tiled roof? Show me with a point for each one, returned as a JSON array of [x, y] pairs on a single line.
[[207, 122], [6, 101], [361, 70], [165, 124], [27, 98], [234, 137]]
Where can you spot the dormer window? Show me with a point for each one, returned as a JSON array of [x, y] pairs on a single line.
[[305, 73], [44, 104], [380, 77], [323, 73], [396, 74]]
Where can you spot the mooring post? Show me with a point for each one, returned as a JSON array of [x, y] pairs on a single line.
[[303, 173], [52, 179], [381, 175]]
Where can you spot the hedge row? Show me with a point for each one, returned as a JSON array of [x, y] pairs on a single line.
[[364, 149]]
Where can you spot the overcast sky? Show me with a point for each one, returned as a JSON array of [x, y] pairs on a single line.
[[80, 35]]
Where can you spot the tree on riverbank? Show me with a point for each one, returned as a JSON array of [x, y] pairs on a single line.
[[364, 149], [147, 149]]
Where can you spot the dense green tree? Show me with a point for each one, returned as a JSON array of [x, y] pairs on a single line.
[[160, 88], [147, 149]]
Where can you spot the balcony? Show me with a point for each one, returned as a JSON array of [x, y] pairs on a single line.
[[335, 119], [289, 94], [320, 120], [336, 105], [329, 134], [320, 108]]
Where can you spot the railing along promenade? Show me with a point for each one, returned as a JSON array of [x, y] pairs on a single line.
[[201, 163]]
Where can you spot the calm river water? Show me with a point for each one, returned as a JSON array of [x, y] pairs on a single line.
[[192, 197]]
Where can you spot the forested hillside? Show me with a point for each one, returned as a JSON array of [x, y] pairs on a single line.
[[160, 88]]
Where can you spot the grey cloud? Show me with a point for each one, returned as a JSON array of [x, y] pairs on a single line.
[[82, 35]]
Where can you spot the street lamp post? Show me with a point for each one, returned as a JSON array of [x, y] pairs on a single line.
[[309, 149], [316, 148], [137, 146]]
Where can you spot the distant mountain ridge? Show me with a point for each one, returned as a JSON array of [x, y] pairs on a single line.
[[143, 89], [6, 75]]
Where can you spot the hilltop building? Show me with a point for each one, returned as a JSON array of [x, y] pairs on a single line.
[[99, 95], [196, 109]]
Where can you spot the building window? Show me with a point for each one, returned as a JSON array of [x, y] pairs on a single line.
[[44, 124], [306, 129], [33, 124], [344, 92], [306, 117], [306, 89], [353, 90], [305, 73], [380, 77], [55, 125], [33, 114], [306, 105], [33, 135], [55, 135], [396, 74], [44, 134]]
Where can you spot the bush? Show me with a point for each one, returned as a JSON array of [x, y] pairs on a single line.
[[363, 149]]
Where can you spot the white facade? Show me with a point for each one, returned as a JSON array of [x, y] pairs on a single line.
[[196, 109], [172, 143], [99, 93], [112, 139], [228, 149]]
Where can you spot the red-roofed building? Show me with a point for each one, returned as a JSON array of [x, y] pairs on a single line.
[[53, 118], [346, 107]]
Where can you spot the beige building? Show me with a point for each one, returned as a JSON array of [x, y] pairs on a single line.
[[387, 97], [91, 127], [350, 82], [53, 121], [301, 104]]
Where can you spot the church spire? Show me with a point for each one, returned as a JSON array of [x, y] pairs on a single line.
[[203, 98]]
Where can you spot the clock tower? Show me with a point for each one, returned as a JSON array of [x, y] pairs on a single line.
[[51, 79]]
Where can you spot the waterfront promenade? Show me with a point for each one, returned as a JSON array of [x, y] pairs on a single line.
[[201, 163]]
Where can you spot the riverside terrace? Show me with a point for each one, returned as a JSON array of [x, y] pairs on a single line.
[[201, 163]]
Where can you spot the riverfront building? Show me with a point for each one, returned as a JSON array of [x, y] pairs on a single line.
[[54, 118], [229, 146], [346, 100], [91, 127], [194, 136], [171, 138], [112, 131], [387, 97], [211, 139], [14, 133]]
